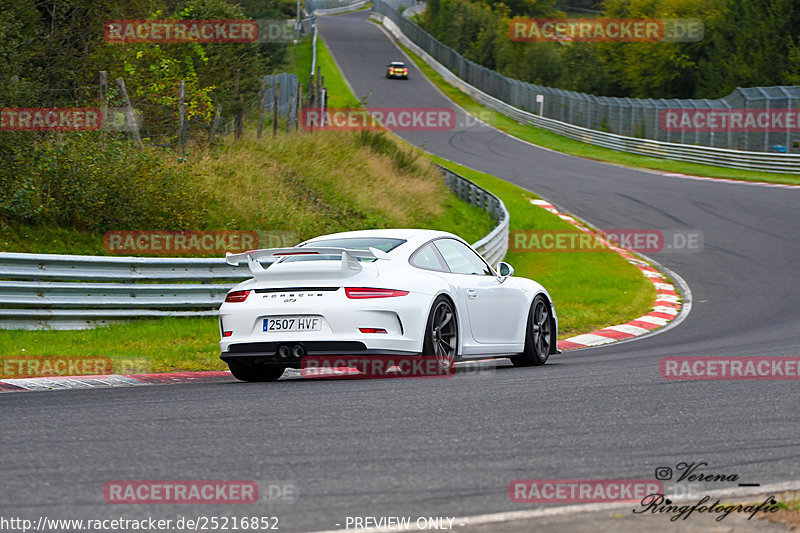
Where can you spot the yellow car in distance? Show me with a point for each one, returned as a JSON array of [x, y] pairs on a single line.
[[397, 70]]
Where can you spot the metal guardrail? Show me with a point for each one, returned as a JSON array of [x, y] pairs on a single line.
[[494, 246], [724, 157], [314, 50], [333, 7], [47, 291]]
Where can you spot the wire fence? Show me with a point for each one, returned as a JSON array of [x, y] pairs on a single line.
[[286, 85], [758, 119], [167, 119]]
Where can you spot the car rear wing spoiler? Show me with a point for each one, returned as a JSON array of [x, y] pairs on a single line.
[[349, 256]]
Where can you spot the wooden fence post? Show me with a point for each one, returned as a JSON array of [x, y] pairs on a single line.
[[275, 93], [238, 124], [103, 104], [261, 96], [182, 117], [130, 118], [215, 125], [290, 105], [318, 88], [298, 117]]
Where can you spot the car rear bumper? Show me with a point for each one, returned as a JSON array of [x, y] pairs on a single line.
[[270, 353], [401, 321]]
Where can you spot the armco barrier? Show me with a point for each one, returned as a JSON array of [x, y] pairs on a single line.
[[46, 291], [724, 157], [494, 246], [333, 7]]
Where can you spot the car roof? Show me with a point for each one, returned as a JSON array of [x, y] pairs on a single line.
[[415, 237]]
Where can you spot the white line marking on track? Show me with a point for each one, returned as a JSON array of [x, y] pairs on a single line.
[[532, 514]]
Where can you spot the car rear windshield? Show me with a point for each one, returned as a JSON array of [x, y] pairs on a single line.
[[354, 243]]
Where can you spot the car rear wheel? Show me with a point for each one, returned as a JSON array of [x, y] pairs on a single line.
[[539, 335], [441, 333], [251, 371]]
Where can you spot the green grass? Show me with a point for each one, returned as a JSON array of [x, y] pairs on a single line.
[[590, 290], [339, 93], [792, 505], [300, 59], [142, 346], [570, 146]]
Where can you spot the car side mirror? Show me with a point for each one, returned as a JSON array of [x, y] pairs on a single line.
[[504, 271]]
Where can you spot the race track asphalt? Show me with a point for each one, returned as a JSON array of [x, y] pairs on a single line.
[[451, 447]]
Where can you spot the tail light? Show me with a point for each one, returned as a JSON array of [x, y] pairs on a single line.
[[369, 292], [372, 330], [405, 71], [237, 296]]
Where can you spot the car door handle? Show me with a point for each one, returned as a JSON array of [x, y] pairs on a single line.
[[472, 294]]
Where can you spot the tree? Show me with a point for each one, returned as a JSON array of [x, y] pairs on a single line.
[[751, 43]]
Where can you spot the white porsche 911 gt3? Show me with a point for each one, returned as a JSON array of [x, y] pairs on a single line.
[[381, 292]]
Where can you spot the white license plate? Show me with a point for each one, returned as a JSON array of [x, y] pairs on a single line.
[[293, 323]]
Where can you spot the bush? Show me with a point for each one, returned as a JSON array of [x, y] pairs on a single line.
[[79, 183]]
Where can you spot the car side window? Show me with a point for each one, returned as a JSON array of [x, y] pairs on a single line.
[[427, 258], [461, 259]]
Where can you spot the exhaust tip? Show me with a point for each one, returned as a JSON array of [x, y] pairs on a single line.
[[284, 351], [298, 350]]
